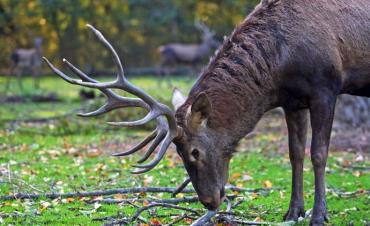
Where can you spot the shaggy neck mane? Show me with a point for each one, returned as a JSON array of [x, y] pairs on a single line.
[[242, 69]]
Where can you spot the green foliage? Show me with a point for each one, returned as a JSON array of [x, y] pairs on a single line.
[[135, 27]]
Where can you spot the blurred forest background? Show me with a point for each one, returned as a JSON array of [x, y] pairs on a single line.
[[135, 27]]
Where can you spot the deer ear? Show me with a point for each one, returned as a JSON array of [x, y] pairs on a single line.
[[178, 98], [200, 110]]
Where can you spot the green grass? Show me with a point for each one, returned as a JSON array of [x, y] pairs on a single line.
[[71, 154]]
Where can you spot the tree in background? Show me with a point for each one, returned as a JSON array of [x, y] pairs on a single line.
[[136, 27]]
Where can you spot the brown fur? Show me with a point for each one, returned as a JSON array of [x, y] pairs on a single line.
[[297, 54]]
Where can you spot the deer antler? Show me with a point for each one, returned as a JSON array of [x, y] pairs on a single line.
[[166, 130], [201, 26]]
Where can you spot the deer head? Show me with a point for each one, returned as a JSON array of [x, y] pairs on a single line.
[[200, 147]]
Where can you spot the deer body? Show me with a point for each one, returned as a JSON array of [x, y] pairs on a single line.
[[184, 53], [191, 54], [297, 54], [26, 59]]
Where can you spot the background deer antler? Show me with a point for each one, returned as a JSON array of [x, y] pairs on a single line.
[[202, 27], [166, 129]]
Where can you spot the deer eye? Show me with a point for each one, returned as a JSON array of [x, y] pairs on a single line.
[[195, 153]]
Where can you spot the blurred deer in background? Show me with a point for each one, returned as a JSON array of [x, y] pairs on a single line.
[[26, 60], [191, 54]]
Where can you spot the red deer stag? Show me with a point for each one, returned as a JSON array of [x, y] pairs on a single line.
[[26, 59], [299, 55], [192, 54]]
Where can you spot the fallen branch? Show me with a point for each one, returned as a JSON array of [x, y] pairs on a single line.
[[205, 218], [181, 187], [152, 205], [180, 218], [119, 191], [93, 193], [169, 201]]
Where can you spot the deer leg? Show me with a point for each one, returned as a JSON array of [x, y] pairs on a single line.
[[19, 79], [297, 128], [322, 113], [7, 85], [35, 74]]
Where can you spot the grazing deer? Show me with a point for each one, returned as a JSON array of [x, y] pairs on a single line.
[[26, 59], [193, 54], [299, 55]]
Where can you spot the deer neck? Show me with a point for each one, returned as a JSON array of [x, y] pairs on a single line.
[[38, 50], [204, 48], [241, 82]]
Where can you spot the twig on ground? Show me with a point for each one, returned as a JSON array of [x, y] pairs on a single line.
[[237, 203], [242, 222], [204, 219], [117, 191], [181, 187], [170, 201], [229, 204], [167, 205], [177, 220], [11, 182], [340, 193], [93, 193], [359, 168], [150, 206]]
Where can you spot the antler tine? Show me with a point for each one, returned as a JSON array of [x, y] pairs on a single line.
[[202, 26], [80, 82], [164, 146], [123, 83], [156, 142], [114, 100], [116, 59], [150, 116], [138, 146]]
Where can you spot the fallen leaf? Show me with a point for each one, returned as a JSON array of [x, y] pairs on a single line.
[[235, 176], [247, 177], [155, 221], [267, 184], [356, 173], [146, 203], [119, 196], [44, 205], [257, 219]]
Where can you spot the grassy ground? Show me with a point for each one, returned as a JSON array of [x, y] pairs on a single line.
[[66, 154]]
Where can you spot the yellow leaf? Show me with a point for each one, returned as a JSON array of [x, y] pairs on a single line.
[[235, 176], [267, 184]]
